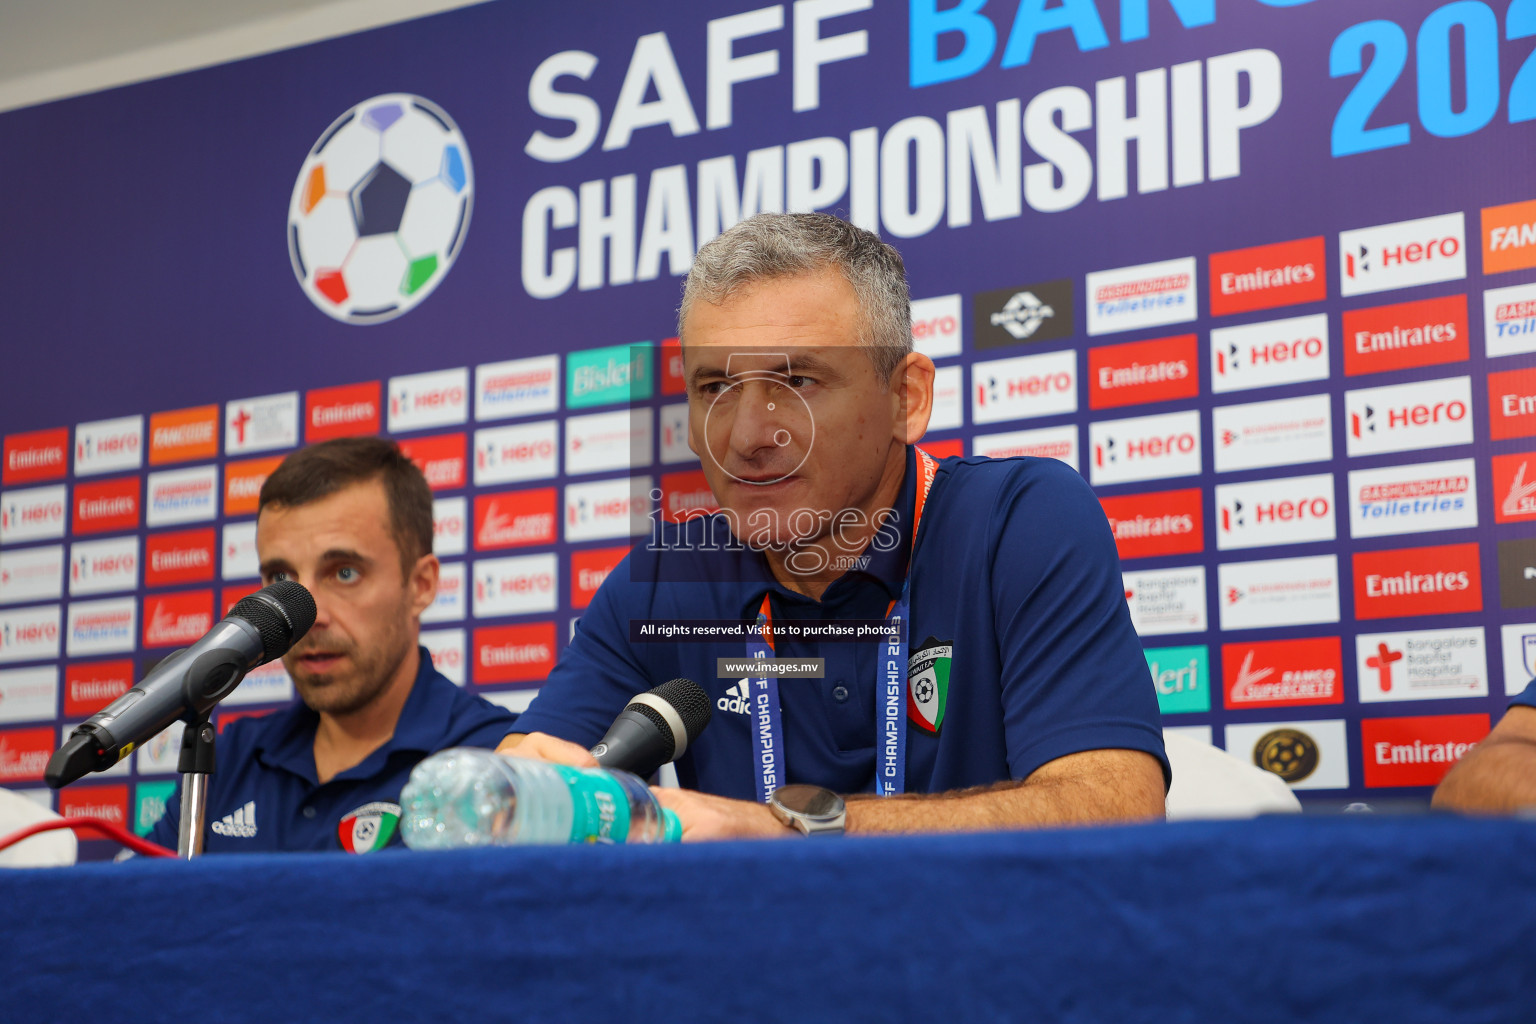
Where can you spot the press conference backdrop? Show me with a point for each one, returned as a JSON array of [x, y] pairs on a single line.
[[1262, 271]]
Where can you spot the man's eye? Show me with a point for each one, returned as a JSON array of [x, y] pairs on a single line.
[[347, 574], [278, 576], [798, 381], [713, 387]]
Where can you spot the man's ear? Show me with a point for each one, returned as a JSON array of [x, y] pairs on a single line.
[[912, 397], [422, 583]]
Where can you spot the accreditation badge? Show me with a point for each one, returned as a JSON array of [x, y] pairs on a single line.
[[368, 828], [928, 684]]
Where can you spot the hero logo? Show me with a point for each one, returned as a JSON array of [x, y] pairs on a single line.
[[1264, 355], [436, 399], [29, 633], [101, 566], [32, 514], [1409, 417], [515, 586], [607, 508], [1403, 254], [108, 445], [1145, 448], [1413, 499], [1436, 580], [1024, 387], [511, 454], [1509, 320], [936, 326], [1264, 513], [448, 529]]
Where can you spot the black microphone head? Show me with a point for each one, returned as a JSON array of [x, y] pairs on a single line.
[[282, 613], [690, 702]]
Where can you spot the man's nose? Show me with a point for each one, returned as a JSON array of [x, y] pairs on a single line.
[[758, 416]]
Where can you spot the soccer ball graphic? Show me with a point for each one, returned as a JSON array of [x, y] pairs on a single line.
[[380, 208]]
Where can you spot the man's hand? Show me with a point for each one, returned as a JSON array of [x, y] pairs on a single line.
[[705, 816], [1498, 776], [540, 746]]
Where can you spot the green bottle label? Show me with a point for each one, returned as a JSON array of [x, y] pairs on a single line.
[[599, 806]]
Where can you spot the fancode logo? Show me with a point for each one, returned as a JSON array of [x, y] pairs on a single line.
[[514, 654], [1263, 513], [183, 435], [1283, 673], [1418, 750], [1145, 448], [1268, 354], [1512, 404], [1267, 276], [38, 455], [173, 619], [517, 387], [1406, 335], [1509, 237], [441, 459], [90, 687], [436, 399], [685, 496], [935, 333], [109, 445], [1408, 417], [184, 557], [1413, 499], [515, 519], [243, 482], [1142, 296], [1509, 320], [1436, 580], [1514, 487], [1161, 523], [1142, 371], [346, 411], [1402, 254], [1033, 313], [589, 569]]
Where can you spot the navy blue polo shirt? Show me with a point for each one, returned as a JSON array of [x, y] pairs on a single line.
[[264, 795], [1015, 572]]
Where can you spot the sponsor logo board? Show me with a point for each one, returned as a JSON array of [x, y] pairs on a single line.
[[441, 458], [589, 568], [348, 410], [449, 604], [672, 380], [935, 332], [686, 495], [34, 456], [265, 684], [1144, 448], [242, 484], [1517, 573], [1436, 580], [1268, 276], [507, 455], [1260, 435], [515, 519], [182, 496], [673, 434], [517, 387], [450, 526], [172, 620], [446, 647], [1283, 673], [24, 754], [1409, 417], [1402, 254], [1166, 600], [104, 505], [1419, 498], [1138, 372], [1181, 676], [32, 574], [102, 566], [603, 376], [1514, 487], [608, 509], [1518, 643], [1278, 592], [1418, 750], [29, 694], [514, 654], [239, 552], [1428, 664], [183, 435], [607, 441], [161, 754], [1058, 443], [1509, 237], [418, 401], [1268, 354], [185, 556], [1306, 755], [109, 446], [91, 686], [1511, 404], [948, 399], [1013, 316], [35, 513], [1509, 320], [109, 802], [106, 626], [1158, 523], [519, 585], [1148, 295], [264, 424], [1024, 387], [1264, 513], [29, 634], [1405, 335]]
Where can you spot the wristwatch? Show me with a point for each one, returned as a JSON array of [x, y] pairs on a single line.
[[811, 809]]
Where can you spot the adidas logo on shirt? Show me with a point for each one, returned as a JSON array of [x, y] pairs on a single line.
[[735, 698], [241, 824]]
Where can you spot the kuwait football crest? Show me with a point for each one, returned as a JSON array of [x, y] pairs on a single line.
[[928, 684], [368, 828]]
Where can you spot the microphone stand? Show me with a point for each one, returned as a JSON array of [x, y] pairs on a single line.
[[195, 765]]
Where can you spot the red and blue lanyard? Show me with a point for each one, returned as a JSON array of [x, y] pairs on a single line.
[[890, 685]]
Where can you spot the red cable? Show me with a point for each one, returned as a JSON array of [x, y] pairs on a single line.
[[111, 829]]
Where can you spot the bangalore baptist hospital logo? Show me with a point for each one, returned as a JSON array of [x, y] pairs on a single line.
[[380, 208]]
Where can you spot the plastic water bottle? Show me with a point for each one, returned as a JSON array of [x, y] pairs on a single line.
[[468, 797]]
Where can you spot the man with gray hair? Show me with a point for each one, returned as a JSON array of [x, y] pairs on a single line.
[[951, 636]]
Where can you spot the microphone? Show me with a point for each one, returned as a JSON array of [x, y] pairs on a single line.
[[187, 685], [655, 728]]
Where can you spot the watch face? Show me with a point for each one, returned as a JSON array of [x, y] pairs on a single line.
[[812, 801]]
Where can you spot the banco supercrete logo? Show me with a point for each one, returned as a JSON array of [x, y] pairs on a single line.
[[107, 446], [450, 530], [29, 634], [441, 458], [421, 400], [517, 387], [1144, 448], [1509, 320], [446, 648], [1058, 443], [450, 603], [34, 456], [1267, 276], [514, 654], [1512, 404], [104, 566], [1509, 237], [1419, 750], [1413, 499], [349, 410], [1283, 673], [589, 569], [1428, 664], [1165, 601], [1409, 417], [101, 627], [1436, 580], [1260, 435], [24, 753], [1160, 523], [516, 586], [171, 619], [1514, 487], [1027, 313], [1409, 334], [106, 505], [261, 424], [1268, 354], [1279, 592], [1148, 295], [1024, 387], [32, 574], [1159, 370], [380, 209], [1265, 513], [935, 333], [36, 513], [1402, 254], [515, 519], [505, 455]]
